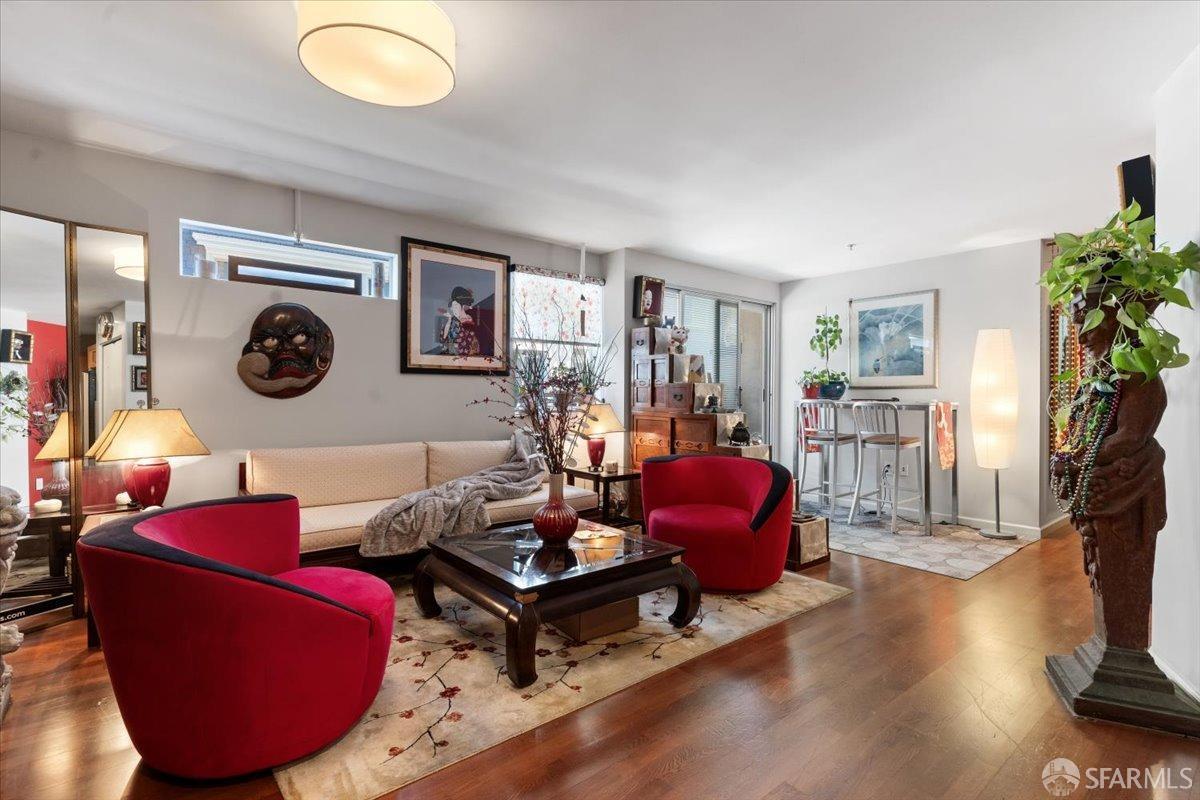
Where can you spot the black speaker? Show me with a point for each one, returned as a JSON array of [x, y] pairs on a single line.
[[1136, 180]]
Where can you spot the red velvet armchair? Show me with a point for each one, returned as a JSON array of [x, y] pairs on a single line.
[[733, 515], [225, 656]]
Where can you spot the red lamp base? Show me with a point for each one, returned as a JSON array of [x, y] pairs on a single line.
[[147, 481], [596, 452]]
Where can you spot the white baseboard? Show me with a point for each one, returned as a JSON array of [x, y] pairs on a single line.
[[1024, 531], [1175, 676], [1062, 523]]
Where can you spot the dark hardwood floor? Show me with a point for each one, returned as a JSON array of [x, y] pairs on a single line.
[[916, 686]]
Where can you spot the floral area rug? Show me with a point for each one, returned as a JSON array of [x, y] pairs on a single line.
[[446, 696], [958, 551]]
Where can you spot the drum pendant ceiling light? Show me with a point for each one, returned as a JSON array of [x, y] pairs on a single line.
[[387, 52]]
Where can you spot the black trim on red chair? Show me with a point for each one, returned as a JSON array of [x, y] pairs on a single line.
[[781, 479], [121, 535]]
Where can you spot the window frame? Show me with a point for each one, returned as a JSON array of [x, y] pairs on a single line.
[[374, 274], [237, 276]]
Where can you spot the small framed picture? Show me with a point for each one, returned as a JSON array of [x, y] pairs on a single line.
[[139, 379], [648, 296], [141, 344], [16, 347]]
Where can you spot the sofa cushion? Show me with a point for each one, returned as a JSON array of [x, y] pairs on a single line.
[[450, 460], [320, 476], [323, 527], [522, 508]]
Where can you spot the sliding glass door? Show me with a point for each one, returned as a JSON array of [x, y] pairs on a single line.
[[733, 335], [753, 389]]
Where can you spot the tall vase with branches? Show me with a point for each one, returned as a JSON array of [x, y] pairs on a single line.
[[546, 395]]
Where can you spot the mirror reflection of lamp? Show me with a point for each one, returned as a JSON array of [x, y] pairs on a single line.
[[144, 438], [130, 262], [56, 450], [600, 420]]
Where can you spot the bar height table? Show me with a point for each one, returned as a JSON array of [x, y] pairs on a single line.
[[927, 410]]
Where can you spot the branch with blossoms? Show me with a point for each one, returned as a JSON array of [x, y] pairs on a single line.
[[549, 390]]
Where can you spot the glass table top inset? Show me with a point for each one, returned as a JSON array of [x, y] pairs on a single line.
[[519, 557]]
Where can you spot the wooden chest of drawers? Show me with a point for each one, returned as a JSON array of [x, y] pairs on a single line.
[[660, 434]]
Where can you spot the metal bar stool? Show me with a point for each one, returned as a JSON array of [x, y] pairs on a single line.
[[877, 426], [817, 427]]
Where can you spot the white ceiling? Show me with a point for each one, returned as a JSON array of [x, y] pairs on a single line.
[[758, 137]]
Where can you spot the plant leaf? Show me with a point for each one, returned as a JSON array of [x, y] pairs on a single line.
[[1093, 318], [1125, 319], [1175, 295]]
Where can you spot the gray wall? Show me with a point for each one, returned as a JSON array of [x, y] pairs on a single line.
[[991, 288], [1177, 566], [199, 326]]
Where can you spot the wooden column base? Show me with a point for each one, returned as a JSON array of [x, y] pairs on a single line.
[[1119, 685]]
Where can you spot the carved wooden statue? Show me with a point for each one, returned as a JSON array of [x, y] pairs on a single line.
[[1109, 474], [12, 522]]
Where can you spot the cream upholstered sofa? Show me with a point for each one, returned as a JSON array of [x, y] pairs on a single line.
[[340, 488]]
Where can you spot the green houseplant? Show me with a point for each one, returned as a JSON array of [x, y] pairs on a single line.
[[14, 405], [1116, 272], [826, 383]]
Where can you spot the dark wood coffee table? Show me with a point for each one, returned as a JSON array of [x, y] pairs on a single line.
[[508, 573]]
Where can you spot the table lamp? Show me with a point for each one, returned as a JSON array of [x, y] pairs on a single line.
[[599, 420], [994, 407], [57, 450], [146, 437]]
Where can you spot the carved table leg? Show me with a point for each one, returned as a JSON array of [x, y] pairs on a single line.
[[422, 584], [687, 602], [521, 627]]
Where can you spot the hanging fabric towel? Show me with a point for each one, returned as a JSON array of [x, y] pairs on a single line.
[[944, 416]]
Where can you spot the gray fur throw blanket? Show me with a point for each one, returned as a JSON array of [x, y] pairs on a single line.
[[455, 508]]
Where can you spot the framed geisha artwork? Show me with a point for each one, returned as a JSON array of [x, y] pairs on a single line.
[[454, 308]]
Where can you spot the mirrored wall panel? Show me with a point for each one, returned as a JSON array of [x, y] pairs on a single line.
[[35, 392], [114, 347]]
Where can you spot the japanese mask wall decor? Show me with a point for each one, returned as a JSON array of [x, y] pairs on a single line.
[[289, 352]]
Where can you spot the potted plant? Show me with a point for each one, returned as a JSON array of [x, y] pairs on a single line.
[[1108, 471], [829, 384], [1115, 273]]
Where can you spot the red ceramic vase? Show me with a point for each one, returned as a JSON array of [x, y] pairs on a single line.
[[555, 522]]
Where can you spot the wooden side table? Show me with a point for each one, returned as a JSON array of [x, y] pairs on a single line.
[[602, 484]]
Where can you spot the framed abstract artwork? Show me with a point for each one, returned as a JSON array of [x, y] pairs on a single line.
[[454, 308], [894, 341]]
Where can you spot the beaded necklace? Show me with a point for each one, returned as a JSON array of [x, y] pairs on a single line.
[[1091, 419]]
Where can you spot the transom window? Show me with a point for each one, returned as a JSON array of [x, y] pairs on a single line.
[[233, 254]]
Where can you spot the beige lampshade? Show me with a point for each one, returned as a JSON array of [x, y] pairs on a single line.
[[994, 398], [130, 262], [58, 446], [600, 419], [389, 52], [146, 433]]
